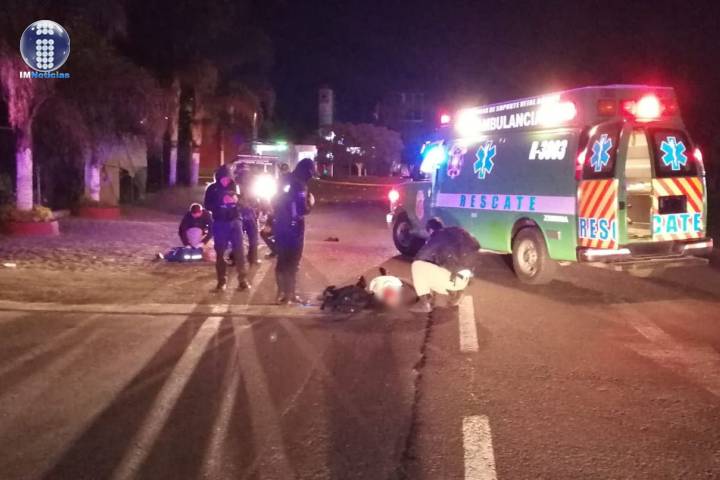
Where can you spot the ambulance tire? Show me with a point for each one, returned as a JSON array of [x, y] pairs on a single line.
[[531, 262], [405, 242]]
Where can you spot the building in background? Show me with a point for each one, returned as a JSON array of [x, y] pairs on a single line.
[[326, 107], [413, 114]]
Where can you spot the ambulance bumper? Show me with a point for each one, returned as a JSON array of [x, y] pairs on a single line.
[[649, 253]]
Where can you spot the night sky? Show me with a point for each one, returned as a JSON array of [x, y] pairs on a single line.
[[481, 50]]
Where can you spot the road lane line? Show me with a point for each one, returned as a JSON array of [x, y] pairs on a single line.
[[477, 444], [468, 328], [144, 440], [697, 362]]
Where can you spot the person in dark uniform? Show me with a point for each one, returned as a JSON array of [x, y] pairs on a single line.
[[267, 231], [221, 198], [292, 204], [248, 212]]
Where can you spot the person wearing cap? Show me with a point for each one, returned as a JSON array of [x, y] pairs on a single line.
[[291, 206], [443, 265], [221, 199]]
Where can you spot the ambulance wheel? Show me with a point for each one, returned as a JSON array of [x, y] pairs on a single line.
[[531, 261], [406, 243]]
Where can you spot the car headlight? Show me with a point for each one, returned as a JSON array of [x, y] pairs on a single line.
[[264, 187]]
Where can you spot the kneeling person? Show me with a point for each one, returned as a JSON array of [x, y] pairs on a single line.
[[443, 264], [195, 229]]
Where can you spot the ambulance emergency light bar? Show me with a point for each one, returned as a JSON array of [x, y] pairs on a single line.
[[578, 107]]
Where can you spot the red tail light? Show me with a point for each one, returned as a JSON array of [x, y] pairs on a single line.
[[393, 196], [697, 154], [580, 163], [445, 119]]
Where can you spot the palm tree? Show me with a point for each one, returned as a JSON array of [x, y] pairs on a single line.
[[23, 98]]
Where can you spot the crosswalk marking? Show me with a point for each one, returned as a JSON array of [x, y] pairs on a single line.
[[477, 444], [143, 441], [468, 329]]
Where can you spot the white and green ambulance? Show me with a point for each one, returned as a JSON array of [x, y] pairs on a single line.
[[595, 174]]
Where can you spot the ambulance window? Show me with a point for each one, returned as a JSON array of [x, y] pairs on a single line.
[[601, 152], [638, 164], [673, 154]]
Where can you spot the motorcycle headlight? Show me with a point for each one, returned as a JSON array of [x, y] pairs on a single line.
[[264, 187]]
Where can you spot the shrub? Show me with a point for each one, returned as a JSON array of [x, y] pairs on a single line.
[[8, 213]]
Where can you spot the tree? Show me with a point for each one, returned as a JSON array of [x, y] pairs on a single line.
[[189, 51], [113, 97], [361, 147], [23, 97]]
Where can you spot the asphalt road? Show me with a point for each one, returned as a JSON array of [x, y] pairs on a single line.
[[599, 375]]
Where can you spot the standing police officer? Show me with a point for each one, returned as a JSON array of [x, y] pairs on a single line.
[[221, 199], [291, 206], [248, 212]]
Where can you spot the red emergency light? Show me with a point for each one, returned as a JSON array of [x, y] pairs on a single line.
[[393, 196], [697, 154], [445, 119], [648, 108], [580, 164]]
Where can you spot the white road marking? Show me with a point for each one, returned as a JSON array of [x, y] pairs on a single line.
[[701, 363], [143, 441], [477, 444], [468, 329]]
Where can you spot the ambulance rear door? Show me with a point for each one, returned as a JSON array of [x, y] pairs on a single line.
[[679, 205], [599, 213]]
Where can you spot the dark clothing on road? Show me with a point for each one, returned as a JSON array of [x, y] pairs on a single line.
[[289, 227], [204, 223], [451, 248]]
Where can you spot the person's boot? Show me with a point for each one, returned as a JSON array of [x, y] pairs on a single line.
[[294, 300], [423, 305], [243, 285], [221, 286], [454, 297]]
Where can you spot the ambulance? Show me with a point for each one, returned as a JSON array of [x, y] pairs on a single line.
[[605, 174]]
